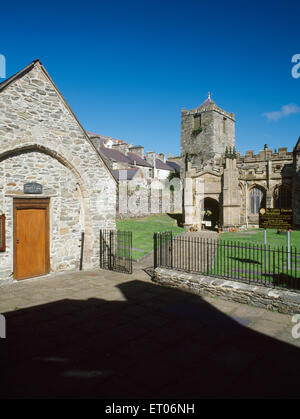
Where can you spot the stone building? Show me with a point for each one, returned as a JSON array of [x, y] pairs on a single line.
[[143, 187], [224, 188], [54, 184]]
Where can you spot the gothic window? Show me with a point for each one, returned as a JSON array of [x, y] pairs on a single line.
[[256, 200], [282, 197]]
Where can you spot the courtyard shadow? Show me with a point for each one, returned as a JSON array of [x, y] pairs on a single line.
[[283, 280], [245, 260], [157, 343], [178, 218]]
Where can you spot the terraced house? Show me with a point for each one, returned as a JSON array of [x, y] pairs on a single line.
[[139, 173], [54, 184]]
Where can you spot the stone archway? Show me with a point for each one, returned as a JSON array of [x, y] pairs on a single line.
[[62, 238], [211, 213]]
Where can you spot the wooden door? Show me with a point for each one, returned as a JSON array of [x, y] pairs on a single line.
[[31, 237]]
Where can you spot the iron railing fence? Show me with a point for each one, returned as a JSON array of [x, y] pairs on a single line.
[[247, 262], [116, 250]]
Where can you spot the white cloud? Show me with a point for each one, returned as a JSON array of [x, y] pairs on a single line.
[[285, 111]]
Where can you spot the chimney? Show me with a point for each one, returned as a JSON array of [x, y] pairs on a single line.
[[122, 147], [151, 157], [162, 157], [139, 150]]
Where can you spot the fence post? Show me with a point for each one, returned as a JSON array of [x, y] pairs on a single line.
[[130, 252], [110, 249], [265, 249], [155, 250], [288, 250], [171, 249], [81, 251]]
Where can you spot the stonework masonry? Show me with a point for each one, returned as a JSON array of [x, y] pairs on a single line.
[[230, 179], [283, 301], [42, 141], [206, 132]]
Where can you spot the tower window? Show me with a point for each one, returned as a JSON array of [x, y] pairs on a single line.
[[197, 121], [224, 125]]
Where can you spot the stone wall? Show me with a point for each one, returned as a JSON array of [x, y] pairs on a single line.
[[205, 150], [66, 218], [234, 179], [41, 141], [142, 197], [286, 302]]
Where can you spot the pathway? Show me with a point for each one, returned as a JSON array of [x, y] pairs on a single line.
[[111, 335]]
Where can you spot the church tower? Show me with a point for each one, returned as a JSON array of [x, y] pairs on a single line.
[[206, 132]]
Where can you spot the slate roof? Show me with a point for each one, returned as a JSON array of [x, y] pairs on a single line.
[[130, 173], [163, 166], [114, 155], [136, 159], [175, 166], [207, 102], [104, 138]]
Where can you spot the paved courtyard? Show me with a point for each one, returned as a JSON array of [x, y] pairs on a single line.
[[110, 335]]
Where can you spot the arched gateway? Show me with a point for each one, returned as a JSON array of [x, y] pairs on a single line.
[[211, 218], [54, 184]]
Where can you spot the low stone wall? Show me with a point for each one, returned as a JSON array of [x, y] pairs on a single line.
[[286, 302]]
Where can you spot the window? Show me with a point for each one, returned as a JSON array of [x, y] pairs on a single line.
[[224, 125], [282, 197], [197, 121], [2, 233], [256, 200]]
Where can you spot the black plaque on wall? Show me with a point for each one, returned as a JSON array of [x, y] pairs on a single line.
[[33, 187]]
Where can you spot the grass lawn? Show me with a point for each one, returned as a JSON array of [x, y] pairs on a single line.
[[250, 261], [273, 239], [143, 230]]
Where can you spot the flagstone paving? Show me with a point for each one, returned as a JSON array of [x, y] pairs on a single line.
[[111, 335]]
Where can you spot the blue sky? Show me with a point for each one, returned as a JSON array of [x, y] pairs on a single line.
[[127, 68]]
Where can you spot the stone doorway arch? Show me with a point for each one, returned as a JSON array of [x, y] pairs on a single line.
[[211, 216]]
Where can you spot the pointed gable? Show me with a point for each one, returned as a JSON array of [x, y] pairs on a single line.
[[32, 80], [42, 142]]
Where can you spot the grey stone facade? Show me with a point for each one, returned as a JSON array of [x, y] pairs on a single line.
[[287, 302], [206, 132], [228, 178], [42, 141]]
